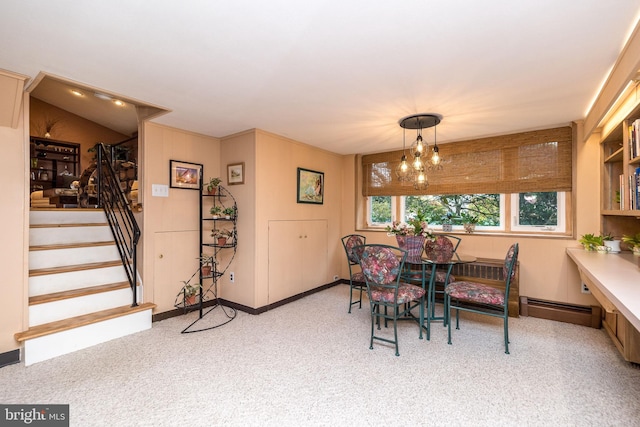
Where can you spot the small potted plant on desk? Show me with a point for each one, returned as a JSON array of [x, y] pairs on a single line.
[[633, 240], [206, 262], [591, 242], [221, 236], [469, 222], [213, 184]]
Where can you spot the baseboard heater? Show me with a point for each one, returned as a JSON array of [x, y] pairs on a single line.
[[569, 313]]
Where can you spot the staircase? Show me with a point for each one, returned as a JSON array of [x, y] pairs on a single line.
[[79, 295]]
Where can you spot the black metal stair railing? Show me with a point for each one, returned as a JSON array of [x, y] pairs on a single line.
[[121, 220]]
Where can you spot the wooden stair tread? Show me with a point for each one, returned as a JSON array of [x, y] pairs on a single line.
[[77, 267], [70, 245], [74, 293], [71, 224], [78, 321], [66, 209]]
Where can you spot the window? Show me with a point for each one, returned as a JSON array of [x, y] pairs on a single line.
[[532, 213]]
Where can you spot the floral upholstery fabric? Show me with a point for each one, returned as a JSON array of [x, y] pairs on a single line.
[[379, 265], [440, 250], [475, 292], [507, 260], [352, 242], [358, 277], [406, 293]]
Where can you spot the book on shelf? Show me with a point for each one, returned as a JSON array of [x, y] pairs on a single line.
[[623, 193]]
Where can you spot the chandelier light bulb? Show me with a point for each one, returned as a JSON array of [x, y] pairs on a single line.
[[435, 157]]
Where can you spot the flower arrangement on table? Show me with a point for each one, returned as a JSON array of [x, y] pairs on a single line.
[[418, 225], [412, 235]]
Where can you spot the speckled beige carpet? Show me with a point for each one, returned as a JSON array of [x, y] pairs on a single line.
[[308, 363]]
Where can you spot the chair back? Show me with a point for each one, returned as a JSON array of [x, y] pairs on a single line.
[[442, 248], [509, 269], [381, 264], [349, 242]]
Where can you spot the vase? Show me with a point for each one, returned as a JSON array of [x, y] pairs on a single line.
[[206, 270], [190, 300], [414, 245], [469, 228], [222, 241]]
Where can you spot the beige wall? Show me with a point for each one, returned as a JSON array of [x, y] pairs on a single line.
[[171, 224], [236, 149], [14, 229]]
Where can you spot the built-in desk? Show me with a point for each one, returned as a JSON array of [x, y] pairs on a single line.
[[614, 280]]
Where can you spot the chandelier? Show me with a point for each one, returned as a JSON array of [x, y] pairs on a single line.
[[417, 172]]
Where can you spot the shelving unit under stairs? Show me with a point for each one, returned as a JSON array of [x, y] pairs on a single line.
[[79, 295]]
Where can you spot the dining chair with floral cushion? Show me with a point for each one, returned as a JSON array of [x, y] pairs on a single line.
[[356, 278], [483, 299], [381, 266], [441, 250]]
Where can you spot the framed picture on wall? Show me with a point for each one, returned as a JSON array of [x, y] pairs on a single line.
[[310, 186], [185, 175], [235, 173]]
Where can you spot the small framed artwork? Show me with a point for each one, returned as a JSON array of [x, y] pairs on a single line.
[[235, 173], [185, 175], [310, 186]]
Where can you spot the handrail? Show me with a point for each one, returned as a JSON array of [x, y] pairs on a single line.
[[121, 220]]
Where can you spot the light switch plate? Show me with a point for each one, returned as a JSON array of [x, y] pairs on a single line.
[[159, 190]]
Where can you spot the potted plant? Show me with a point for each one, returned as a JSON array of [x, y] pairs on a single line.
[[206, 262], [591, 242], [213, 184], [228, 212], [633, 240], [190, 292], [612, 244], [411, 236], [221, 236], [446, 223], [215, 211], [469, 222]]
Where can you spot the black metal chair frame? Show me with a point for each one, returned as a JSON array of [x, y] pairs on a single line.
[[501, 311], [398, 311], [354, 285]]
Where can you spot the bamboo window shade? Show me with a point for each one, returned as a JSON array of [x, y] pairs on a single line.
[[535, 161]]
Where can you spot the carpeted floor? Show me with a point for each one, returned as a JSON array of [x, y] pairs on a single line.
[[308, 363]]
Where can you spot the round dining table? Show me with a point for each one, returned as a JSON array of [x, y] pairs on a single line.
[[426, 265]]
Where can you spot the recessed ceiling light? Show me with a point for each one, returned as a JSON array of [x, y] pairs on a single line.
[[118, 102], [76, 92], [102, 96]]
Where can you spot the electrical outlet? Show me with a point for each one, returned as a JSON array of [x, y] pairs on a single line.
[[232, 277], [585, 289]]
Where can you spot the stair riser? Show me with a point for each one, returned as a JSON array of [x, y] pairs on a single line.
[[53, 345], [63, 309], [47, 284], [69, 235], [72, 256], [67, 216]]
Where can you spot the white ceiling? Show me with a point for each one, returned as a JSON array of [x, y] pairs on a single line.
[[337, 74]]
